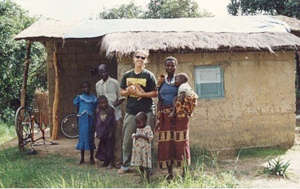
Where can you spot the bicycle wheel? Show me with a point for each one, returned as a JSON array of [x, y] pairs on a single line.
[[69, 126], [23, 127]]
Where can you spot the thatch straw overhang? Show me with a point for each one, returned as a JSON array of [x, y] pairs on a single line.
[[124, 36], [293, 23], [127, 42], [45, 29]]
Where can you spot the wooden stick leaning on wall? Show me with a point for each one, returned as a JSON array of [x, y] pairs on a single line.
[[25, 76], [55, 118]]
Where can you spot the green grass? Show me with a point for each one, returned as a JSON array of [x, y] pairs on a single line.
[[53, 171], [261, 152], [7, 132]]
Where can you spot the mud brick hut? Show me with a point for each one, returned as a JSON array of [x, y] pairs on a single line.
[[294, 24], [243, 69]]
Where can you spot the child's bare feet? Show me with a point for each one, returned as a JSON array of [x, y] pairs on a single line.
[[169, 178], [92, 161], [81, 161], [117, 165], [105, 164], [109, 166]]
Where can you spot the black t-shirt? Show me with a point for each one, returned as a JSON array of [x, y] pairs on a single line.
[[147, 81]]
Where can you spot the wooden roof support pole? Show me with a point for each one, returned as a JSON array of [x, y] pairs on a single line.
[[297, 57], [25, 76], [56, 102]]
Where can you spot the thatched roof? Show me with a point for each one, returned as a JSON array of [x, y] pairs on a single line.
[[45, 29], [250, 24], [124, 36], [126, 43], [293, 23], [96, 28]]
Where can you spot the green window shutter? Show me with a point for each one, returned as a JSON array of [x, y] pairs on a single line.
[[209, 81]]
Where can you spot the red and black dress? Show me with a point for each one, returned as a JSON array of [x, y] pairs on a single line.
[[173, 138]]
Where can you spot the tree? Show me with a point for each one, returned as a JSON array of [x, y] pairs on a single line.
[[12, 53], [233, 7], [174, 9], [157, 9], [124, 11], [273, 7]]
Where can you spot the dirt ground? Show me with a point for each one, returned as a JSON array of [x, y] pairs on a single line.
[[247, 170]]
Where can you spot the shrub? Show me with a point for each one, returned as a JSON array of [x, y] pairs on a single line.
[[277, 167]]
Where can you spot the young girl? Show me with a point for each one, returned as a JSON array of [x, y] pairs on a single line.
[[141, 148], [105, 125], [86, 104]]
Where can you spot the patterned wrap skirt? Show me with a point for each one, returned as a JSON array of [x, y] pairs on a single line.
[[173, 140]]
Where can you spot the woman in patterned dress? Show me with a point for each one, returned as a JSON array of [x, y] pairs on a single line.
[[173, 133]]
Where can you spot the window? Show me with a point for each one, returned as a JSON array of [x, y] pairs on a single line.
[[209, 81]]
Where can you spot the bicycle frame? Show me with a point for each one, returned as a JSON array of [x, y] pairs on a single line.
[[27, 122]]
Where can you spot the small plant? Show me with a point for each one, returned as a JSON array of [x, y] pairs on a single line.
[[277, 167], [200, 157]]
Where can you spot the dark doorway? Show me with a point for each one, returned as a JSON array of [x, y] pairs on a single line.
[[112, 66]]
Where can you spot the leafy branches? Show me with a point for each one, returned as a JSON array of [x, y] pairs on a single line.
[[157, 9], [124, 11], [174, 9], [12, 53], [273, 7]]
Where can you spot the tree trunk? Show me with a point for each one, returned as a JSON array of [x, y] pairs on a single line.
[[25, 77], [23, 91]]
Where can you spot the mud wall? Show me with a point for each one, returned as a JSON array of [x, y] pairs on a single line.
[[76, 63], [257, 110], [258, 107]]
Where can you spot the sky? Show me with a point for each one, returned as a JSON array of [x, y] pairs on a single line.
[[84, 9]]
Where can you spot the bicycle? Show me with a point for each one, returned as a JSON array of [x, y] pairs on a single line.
[[28, 124], [69, 126]]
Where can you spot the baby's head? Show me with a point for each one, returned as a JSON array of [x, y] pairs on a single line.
[[160, 80], [103, 102], [181, 78], [140, 119]]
